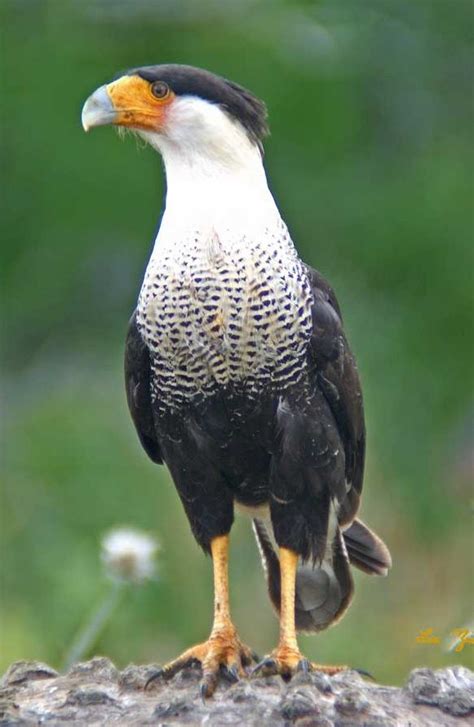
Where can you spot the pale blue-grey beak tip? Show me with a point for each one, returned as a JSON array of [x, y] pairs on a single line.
[[98, 110]]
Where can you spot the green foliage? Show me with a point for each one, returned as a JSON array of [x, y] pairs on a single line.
[[371, 160]]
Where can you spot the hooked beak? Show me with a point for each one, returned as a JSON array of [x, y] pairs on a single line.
[[98, 110]]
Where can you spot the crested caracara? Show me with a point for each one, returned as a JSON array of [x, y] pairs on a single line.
[[238, 373]]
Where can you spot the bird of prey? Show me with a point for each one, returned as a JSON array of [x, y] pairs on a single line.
[[239, 377]]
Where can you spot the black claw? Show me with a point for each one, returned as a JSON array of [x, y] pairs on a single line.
[[232, 673], [179, 667], [204, 691], [365, 673], [208, 685], [170, 672], [267, 667], [303, 666], [158, 674], [248, 659]]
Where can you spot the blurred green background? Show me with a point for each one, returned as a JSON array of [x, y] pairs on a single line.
[[370, 160]]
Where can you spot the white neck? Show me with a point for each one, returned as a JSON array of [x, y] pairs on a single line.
[[215, 176]]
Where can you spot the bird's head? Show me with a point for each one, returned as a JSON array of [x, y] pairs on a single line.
[[180, 108]]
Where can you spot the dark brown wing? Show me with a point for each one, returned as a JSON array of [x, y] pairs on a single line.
[[336, 373], [137, 383]]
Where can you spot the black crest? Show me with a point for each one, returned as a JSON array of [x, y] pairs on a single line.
[[250, 111]]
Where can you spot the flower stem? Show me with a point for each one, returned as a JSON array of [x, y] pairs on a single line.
[[87, 636]]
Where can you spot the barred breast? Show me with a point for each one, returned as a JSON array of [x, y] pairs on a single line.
[[225, 311]]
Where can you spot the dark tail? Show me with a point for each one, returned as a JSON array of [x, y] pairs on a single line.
[[325, 590], [366, 550]]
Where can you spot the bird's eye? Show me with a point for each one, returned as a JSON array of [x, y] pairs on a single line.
[[160, 89]]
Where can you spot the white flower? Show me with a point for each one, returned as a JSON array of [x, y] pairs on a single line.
[[129, 555]]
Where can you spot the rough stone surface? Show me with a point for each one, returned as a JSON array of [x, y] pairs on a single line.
[[96, 693]]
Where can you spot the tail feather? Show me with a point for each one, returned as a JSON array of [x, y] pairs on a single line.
[[323, 591], [366, 550]]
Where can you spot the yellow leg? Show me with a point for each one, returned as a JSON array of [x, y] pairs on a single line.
[[288, 646], [220, 563], [223, 651], [286, 659]]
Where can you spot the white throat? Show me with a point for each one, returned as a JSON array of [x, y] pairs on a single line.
[[216, 182]]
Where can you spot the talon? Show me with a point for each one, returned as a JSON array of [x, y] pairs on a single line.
[[269, 663], [208, 685], [303, 666], [203, 692], [287, 661], [221, 656], [365, 673], [232, 673], [158, 674], [246, 658], [267, 667], [168, 672]]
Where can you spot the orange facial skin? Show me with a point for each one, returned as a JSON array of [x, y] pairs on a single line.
[[135, 104]]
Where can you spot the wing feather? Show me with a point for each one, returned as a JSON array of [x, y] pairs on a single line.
[[334, 367], [138, 388]]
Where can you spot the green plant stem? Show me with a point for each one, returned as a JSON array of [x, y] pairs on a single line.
[[87, 636]]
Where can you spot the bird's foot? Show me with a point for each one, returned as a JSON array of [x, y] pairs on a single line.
[[223, 654], [287, 661]]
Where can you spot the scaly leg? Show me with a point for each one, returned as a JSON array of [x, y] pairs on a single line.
[[223, 651], [286, 659]]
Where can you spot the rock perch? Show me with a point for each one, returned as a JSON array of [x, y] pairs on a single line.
[[96, 693]]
